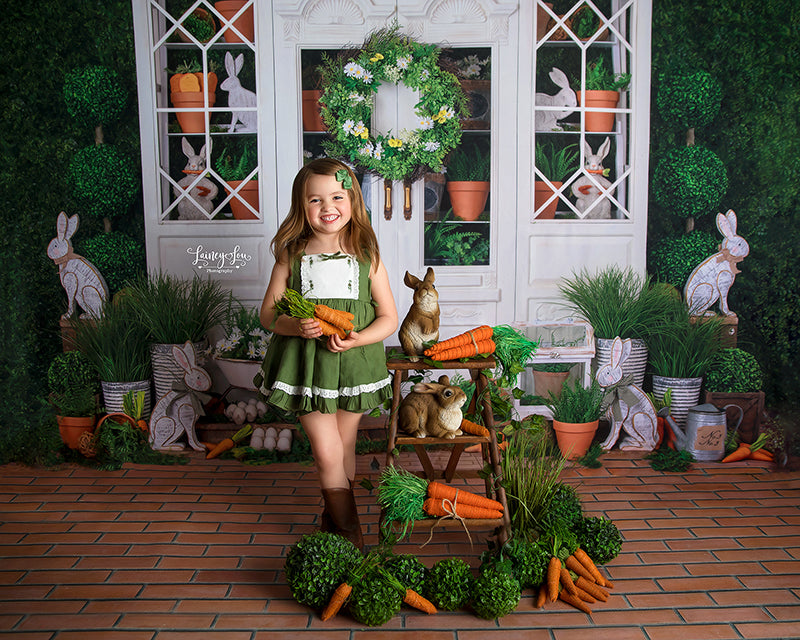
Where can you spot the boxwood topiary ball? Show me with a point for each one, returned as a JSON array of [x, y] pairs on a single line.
[[673, 258], [495, 593], [448, 584], [600, 538], [408, 570], [94, 95], [119, 257], [690, 182], [374, 600], [104, 180], [688, 100], [733, 370]]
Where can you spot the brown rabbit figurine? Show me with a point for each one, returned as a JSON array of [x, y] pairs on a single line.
[[421, 323], [432, 409]]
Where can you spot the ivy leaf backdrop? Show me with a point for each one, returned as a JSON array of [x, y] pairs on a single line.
[[751, 46]]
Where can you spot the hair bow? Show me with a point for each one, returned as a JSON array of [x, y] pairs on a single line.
[[343, 176]]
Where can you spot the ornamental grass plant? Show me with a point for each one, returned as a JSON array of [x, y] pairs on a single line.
[[577, 404], [176, 310]]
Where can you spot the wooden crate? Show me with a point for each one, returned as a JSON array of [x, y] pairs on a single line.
[[752, 405]]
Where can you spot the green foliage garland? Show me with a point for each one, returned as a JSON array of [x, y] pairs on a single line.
[[688, 100], [690, 182], [119, 257], [94, 95], [347, 100], [673, 258], [104, 180], [733, 370]]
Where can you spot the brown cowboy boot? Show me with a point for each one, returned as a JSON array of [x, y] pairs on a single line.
[[326, 523], [340, 505]]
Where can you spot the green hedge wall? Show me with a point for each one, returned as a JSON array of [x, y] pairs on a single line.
[[753, 48]]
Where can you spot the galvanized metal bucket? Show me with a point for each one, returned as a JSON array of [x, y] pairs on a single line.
[[685, 394], [634, 365]]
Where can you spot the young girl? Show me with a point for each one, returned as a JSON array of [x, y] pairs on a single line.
[[327, 250]]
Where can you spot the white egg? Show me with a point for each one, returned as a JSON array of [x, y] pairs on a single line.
[[257, 441], [271, 432], [270, 444]]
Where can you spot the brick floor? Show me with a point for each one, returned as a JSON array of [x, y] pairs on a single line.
[[174, 553]]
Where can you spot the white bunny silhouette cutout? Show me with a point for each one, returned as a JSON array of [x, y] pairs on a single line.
[[548, 120], [238, 96]]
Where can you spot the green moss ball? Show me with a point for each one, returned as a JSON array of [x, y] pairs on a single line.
[[672, 259], [690, 182], [94, 95], [408, 570], [374, 600], [600, 539], [688, 100], [448, 584], [495, 593], [71, 370], [104, 180], [733, 370]]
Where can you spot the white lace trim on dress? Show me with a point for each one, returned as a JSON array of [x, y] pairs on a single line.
[[331, 394]]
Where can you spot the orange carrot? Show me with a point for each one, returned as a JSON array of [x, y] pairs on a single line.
[[575, 565], [566, 581], [574, 601], [742, 453], [442, 491], [584, 595], [760, 454], [328, 329], [473, 428], [583, 557], [464, 351], [483, 332], [541, 597], [553, 578], [660, 425], [413, 599], [591, 588], [436, 508], [222, 447], [339, 312], [337, 600], [333, 316]]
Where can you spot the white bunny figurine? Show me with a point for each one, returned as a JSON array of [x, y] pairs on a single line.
[[202, 190], [80, 278], [630, 409], [712, 278], [176, 412], [586, 189], [548, 120], [238, 96]]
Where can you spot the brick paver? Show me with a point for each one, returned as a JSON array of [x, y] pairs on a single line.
[[170, 553]]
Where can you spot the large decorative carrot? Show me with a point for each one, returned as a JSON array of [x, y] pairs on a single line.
[[410, 597], [343, 591], [483, 347], [591, 588], [473, 428], [553, 578], [583, 557], [471, 337], [331, 321], [754, 451], [441, 491], [439, 508], [574, 601]]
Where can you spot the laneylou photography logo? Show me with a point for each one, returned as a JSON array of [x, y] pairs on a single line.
[[211, 260]]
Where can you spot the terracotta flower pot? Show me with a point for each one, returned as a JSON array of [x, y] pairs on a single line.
[[203, 15], [545, 382], [248, 193], [191, 121], [71, 428], [312, 114], [245, 23], [541, 194], [574, 439], [599, 121], [468, 198]]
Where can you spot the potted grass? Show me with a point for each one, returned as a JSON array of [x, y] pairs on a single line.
[[680, 352], [576, 416], [555, 166], [118, 346], [601, 91], [616, 301], [235, 168], [72, 381], [176, 310], [468, 172]]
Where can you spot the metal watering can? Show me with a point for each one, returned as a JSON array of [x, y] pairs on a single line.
[[706, 428]]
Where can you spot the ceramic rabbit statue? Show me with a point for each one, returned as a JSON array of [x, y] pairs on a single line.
[[84, 284], [548, 120], [712, 278], [586, 189], [176, 412], [421, 323], [239, 97], [432, 409], [202, 191], [630, 409]]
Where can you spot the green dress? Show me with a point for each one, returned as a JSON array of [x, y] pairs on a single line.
[[301, 375]]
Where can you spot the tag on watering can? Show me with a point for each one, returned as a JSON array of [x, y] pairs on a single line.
[[709, 438]]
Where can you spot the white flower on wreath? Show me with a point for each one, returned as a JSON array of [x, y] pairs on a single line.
[[378, 152], [393, 74], [355, 97], [432, 145], [424, 74], [353, 70], [348, 126], [425, 123], [403, 62], [360, 130], [366, 150], [366, 78]]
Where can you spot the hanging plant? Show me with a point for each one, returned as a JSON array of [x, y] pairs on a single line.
[[347, 101], [690, 181]]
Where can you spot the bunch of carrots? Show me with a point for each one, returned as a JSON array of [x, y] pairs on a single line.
[[331, 321], [754, 451], [445, 500], [475, 342], [577, 582]]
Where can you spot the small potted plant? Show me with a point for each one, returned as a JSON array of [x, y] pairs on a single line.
[[235, 167], [449, 243], [468, 173], [242, 349], [555, 165], [474, 75], [585, 23], [73, 385], [187, 89], [576, 416], [549, 377], [734, 377], [200, 23], [602, 91]]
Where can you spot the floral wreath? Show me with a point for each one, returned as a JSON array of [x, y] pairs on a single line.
[[347, 102]]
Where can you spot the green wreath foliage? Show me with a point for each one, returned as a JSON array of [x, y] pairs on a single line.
[[94, 95], [104, 180], [673, 258], [349, 87], [733, 370], [118, 257], [689, 99], [690, 182]]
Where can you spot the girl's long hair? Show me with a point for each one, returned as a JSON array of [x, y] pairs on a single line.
[[357, 238]]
